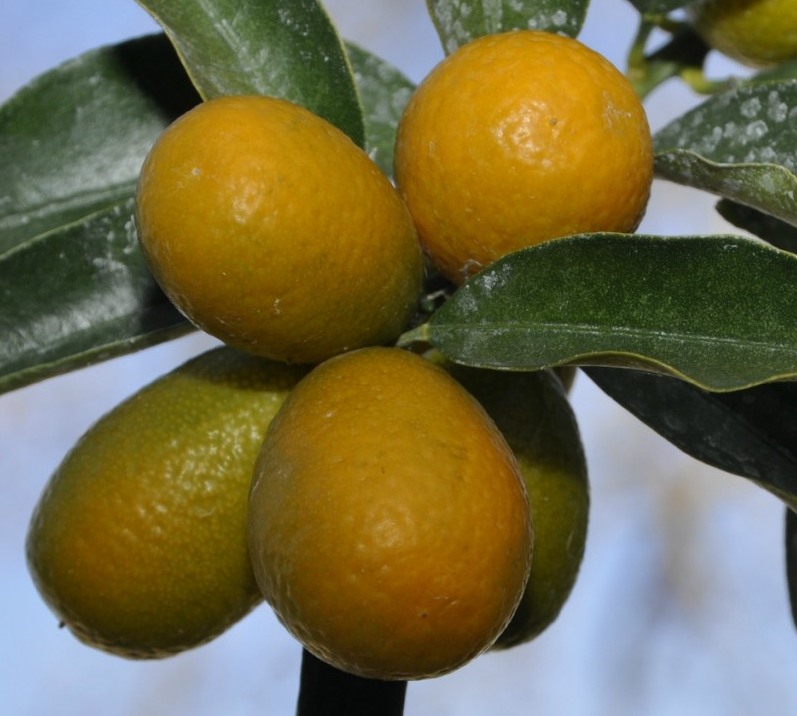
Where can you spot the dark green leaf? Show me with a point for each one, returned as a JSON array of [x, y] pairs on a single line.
[[717, 311], [74, 286], [282, 48], [72, 141], [791, 560], [751, 433], [76, 296], [776, 232], [460, 21], [384, 93], [739, 145]]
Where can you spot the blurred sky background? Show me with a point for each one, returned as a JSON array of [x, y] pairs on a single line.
[[681, 605]]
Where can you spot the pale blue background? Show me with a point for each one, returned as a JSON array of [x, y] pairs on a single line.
[[681, 605]]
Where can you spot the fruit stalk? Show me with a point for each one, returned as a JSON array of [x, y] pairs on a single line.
[[325, 690]]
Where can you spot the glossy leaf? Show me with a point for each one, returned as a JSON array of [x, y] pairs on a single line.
[[76, 296], [384, 92], [751, 433], [283, 48], [73, 284], [718, 311], [739, 145], [73, 140], [460, 21]]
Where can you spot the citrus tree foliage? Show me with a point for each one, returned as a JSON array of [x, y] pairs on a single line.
[[695, 335]]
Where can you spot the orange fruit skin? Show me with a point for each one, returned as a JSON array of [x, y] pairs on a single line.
[[388, 523], [138, 542], [271, 230], [517, 138], [757, 33], [532, 411]]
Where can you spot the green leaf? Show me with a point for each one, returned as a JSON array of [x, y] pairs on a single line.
[[74, 287], [384, 92], [739, 145], [718, 311], [460, 21], [73, 140], [282, 48], [774, 231], [76, 296], [791, 561], [751, 433]]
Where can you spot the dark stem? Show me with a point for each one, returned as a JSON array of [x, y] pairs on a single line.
[[327, 691]]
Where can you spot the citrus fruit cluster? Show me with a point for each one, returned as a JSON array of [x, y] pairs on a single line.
[[399, 513]]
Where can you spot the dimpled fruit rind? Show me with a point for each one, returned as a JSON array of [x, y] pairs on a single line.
[[138, 542], [388, 525], [758, 33], [272, 231], [532, 411], [517, 138]]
